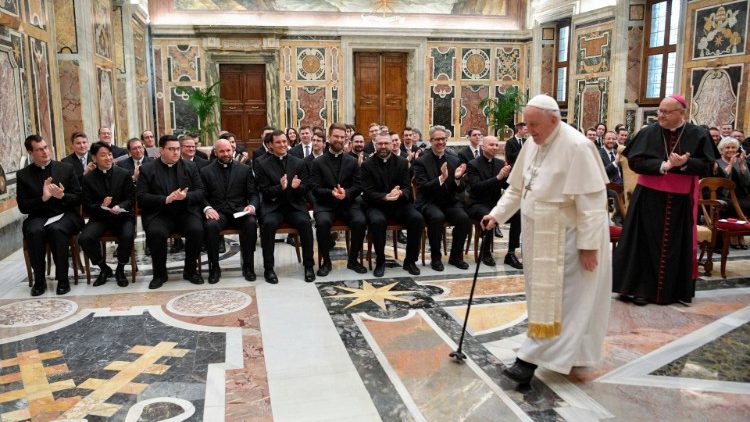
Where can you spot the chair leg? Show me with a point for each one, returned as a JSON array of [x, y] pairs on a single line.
[[49, 261], [724, 253], [369, 251], [76, 258], [424, 235], [133, 266], [27, 259], [297, 246], [468, 242], [395, 245], [445, 239], [709, 266], [87, 268], [476, 242]]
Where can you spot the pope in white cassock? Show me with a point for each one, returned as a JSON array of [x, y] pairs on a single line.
[[559, 183]]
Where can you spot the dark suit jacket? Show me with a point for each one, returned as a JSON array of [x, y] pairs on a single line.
[[512, 149], [375, 186], [73, 160], [153, 189], [29, 192], [369, 147], [268, 172], [467, 154], [429, 189], [323, 180], [199, 162], [233, 196], [609, 166], [117, 151], [129, 165], [483, 186], [94, 191], [413, 148], [298, 150], [259, 152]]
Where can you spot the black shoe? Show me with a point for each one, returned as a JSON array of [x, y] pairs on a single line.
[[40, 286], [270, 276], [436, 265], [309, 274], [147, 251], [458, 263], [356, 267], [156, 282], [624, 298], [63, 286], [325, 268], [222, 246], [521, 372], [214, 273], [401, 237], [177, 246], [640, 301], [104, 274], [510, 259], [498, 232], [331, 244], [488, 260], [379, 269], [249, 273], [194, 278], [411, 268], [122, 281]]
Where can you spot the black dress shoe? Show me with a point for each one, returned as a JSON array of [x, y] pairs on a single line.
[[498, 232], [510, 259], [411, 268], [222, 246], [249, 273], [459, 263], [39, 288], [156, 282], [122, 281], [521, 372], [63, 286], [640, 301], [325, 268], [104, 274], [624, 298], [270, 276], [194, 278], [379, 269], [214, 274], [488, 260], [401, 237], [436, 265], [356, 267], [309, 274]]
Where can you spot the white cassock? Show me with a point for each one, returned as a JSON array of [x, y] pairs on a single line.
[[562, 212]]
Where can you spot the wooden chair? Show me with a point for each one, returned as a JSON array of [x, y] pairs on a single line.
[[707, 232], [394, 228], [725, 229], [619, 206], [341, 226], [477, 239], [108, 236], [287, 229], [74, 252]]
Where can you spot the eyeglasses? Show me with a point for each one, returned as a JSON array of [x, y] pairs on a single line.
[[438, 139], [172, 149], [660, 111]]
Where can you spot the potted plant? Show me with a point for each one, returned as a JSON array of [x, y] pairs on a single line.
[[205, 103], [502, 110]]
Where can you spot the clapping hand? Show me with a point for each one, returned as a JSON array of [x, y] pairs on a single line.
[[460, 170], [394, 194], [57, 190], [296, 181], [504, 172], [339, 192], [677, 160], [283, 182]]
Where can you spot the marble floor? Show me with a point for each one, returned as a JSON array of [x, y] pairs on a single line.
[[351, 348]]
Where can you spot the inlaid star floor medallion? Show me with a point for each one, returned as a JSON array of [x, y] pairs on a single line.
[[370, 293]]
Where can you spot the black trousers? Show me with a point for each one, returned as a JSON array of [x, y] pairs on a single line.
[[158, 231], [248, 227], [353, 216], [37, 236], [299, 220], [435, 217], [122, 227], [478, 211], [405, 215]]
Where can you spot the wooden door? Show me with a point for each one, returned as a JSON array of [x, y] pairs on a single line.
[[380, 90], [243, 112]]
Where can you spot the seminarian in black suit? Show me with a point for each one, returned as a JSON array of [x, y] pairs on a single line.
[[487, 179], [47, 189], [105, 135], [514, 144], [608, 154], [188, 148], [474, 149], [335, 184], [80, 159], [230, 188], [170, 195], [387, 192], [439, 180], [373, 131], [282, 181], [112, 187], [137, 158]]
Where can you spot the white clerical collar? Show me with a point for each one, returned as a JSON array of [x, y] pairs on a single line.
[[385, 160], [105, 170], [43, 166], [225, 165], [280, 157], [167, 164], [335, 154]]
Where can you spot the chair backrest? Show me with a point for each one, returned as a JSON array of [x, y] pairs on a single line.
[[713, 184], [619, 200]]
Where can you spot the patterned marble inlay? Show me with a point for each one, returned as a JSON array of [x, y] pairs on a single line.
[[507, 63], [102, 29], [209, 303], [442, 63], [311, 64], [715, 95], [720, 31], [35, 312], [475, 63], [594, 51]]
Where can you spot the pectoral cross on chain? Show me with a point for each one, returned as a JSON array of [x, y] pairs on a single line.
[[527, 188]]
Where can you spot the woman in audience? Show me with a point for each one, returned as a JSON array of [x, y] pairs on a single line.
[[292, 137], [733, 165]]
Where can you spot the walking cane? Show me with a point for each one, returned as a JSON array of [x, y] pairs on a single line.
[[459, 356]]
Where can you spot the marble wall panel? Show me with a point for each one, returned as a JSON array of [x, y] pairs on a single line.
[[441, 106], [102, 28], [66, 36], [442, 63], [70, 95], [471, 115], [508, 63], [547, 76], [161, 118], [442, 7], [106, 98], [633, 75], [311, 64], [715, 95], [10, 7], [144, 105], [591, 101], [594, 49], [183, 118], [139, 50], [475, 64], [41, 88], [36, 13], [720, 30], [183, 63], [311, 106], [122, 110], [118, 46], [11, 125]]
